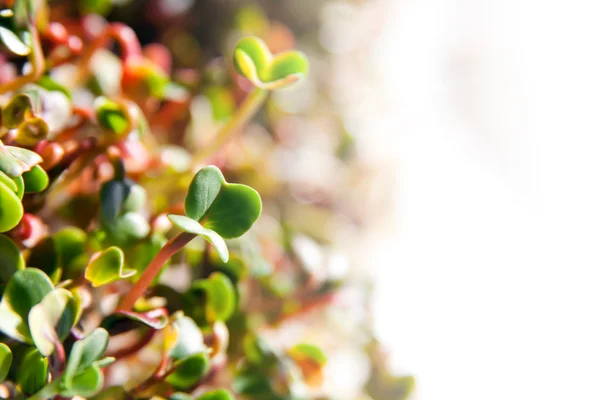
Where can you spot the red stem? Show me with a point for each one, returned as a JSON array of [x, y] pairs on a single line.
[[167, 251]]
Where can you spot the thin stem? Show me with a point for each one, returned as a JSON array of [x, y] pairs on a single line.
[[249, 107], [36, 58], [167, 251]]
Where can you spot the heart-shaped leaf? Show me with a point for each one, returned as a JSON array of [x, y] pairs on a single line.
[[25, 289], [111, 115], [229, 209], [188, 371], [11, 209], [107, 266], [219, 394], [192, 226], [69, 244], [17, 110], [35, 180], [254, 61], [220, 293], [32, 372], [5, 361], [51, 320], [11, 260]]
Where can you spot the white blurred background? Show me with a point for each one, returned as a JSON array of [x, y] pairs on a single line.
[[486, 116]]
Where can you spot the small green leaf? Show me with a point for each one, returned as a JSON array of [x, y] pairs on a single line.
[[16, 160], [35, 180], [86, 383], [20, 183], [220, 293], [51, 85], [13, 42], [111, 115], [17, 110], [85, 352], [69, 244], [156, 319], [32, 371], [9, 182], [229, 209], [189, 338], [25, 289], [191, 226], [254, 60], [11, 260], [128, 228], [112, 197], [219, 394], [189, 371], [5, 361], [107, 266], [11, 209], [51, 320], [203, 191], [304, 351]]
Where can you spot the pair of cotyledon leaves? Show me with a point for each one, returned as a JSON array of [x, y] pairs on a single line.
[[254, 61]]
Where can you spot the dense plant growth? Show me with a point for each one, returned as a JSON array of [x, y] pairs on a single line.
[[129, 264]]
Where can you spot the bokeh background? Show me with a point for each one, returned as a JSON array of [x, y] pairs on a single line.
[[465, 180]]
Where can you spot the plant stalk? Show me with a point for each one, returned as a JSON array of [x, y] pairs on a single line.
[[167, 251], [249, 107]]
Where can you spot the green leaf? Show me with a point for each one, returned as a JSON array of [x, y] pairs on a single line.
[[220, 293], [5, 361], [51, 85], [229, 209], [191, 226], [112, 393], [86, 383], [32, 371], [128, 228], [189, 338], [25, 289], [19, 108], [51, 320], [111, 115], [107, 266], [13, 42], [16, 160], [308, 352], [188, 371], [254, 60], [219, 394], [112, 197], [11, 260], [69, 244], [20, 184], [35, 180], [11, 209], [155, 319], [85, 352], [9, 182]]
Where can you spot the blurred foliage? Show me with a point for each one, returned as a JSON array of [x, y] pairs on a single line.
[[177, 191]]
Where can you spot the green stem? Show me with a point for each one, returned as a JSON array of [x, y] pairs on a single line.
[[249, 107], [167, 251]]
